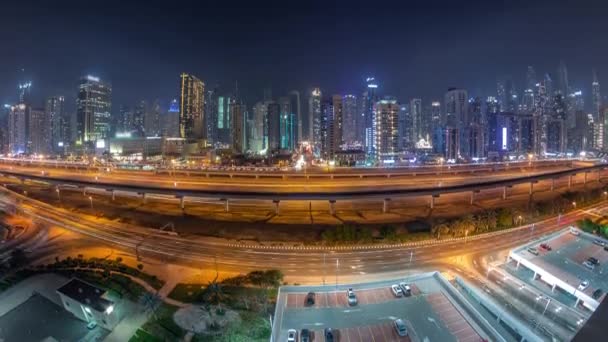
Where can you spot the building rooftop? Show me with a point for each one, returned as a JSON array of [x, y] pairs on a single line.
[[86, 294]]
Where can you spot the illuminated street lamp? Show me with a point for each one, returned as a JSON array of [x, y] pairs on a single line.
[[574, 204]]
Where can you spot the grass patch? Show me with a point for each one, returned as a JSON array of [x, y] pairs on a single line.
[[144, 336]]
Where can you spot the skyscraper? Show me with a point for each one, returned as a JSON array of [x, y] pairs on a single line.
[[416, 120], [331, 126], [211, 112], [349, 109], [18, 125], [387, 132], [191, 108], [314, 117], [457, 117], [369, 100], [239, 139], [39, 132], [596, 97], [139, 116], [257, 142], [273, 117], [152, 120], [530, 78], [563, 87], [171, 120], [55, 110], [296, 110], [93, 108]]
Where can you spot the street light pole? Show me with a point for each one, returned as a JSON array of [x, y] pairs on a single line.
[[91, 200]]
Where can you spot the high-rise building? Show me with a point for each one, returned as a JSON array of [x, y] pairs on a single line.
[[152, 120], [457, 116], [287, 128], [93, 108], [139, 116], [314, 117], [416, 119], [211, 112], [25, 92], [596, 97], [39, 132], [386, 130], [530, 78], [296, 111], [437, 125], [257, 142], [60, 125], [18, 125], [404, 127], [349, 109], [224, 106], [238, 131], [273, 118], [369, 99], [191, 108], [170, 122], [563, 87]]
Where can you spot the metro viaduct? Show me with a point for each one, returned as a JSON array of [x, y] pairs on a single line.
[[276, 197]]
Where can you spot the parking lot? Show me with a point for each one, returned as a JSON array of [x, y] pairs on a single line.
[[428, 313]]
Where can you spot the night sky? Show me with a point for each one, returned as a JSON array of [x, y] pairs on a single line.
[[415, 49]]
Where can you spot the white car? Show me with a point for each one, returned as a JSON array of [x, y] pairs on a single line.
[[533, 250], [397, 290], [574, 231], [405, 287], [291, 335], [589, 265], [352, 298], [583, 285]]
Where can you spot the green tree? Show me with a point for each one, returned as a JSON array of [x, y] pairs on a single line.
[[504, 218]]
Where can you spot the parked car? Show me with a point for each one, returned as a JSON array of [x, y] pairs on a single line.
[[583, 285], [310, 299], [588, 265], [397, 290], [545, 247], [291, 335], [330, 335], [599, 242], [597, 294], [593, 261], [533, 250], [305, 335], [400, 327], [352, 298], [91, 325], [574, 231], [406, 289]]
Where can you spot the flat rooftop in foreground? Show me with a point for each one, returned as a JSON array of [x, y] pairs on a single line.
[[564, 262], [432, 312]]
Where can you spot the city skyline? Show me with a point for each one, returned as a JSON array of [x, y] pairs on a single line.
[[462, 61]]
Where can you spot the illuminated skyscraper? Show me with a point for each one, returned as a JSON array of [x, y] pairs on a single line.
[[55, 110], [152, 120], [296, 111], [93, 108], [386, 130], [369, 99], [457, 116], [596, 97], [331, 126], [18, 118], [416, 120], [139, 116], [191, 108], [349, 108], [257, 142], [211, 112], [314, 117], [530, 78], [39, 132], [273, 126], [171, 120]]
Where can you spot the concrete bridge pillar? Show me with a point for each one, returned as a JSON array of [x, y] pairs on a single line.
[[432, 204], [599, 175], [84, 191], [332, 207], [552, 184], [569, 181], [276, 206], [472, 198], [578, 300], [113, 195], [553, 287], [504, 192], [531, 188], [585, 178], [385, 205], [226, 205], [257, 176], [143, 198], [182, 202], [207, 175]]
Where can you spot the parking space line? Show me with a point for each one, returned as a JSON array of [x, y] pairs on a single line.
[[353, 335], [366, 334], [377, 333]]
